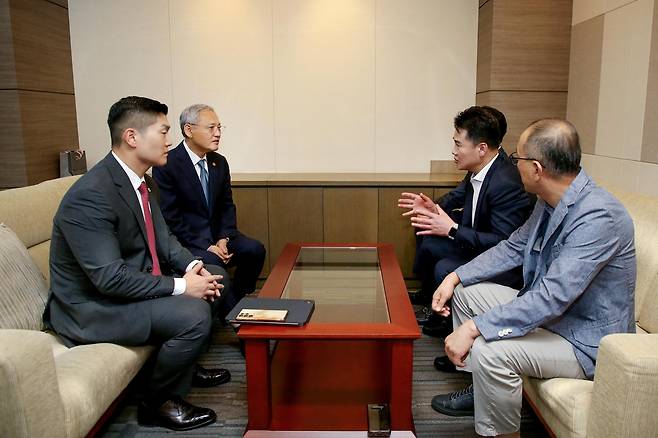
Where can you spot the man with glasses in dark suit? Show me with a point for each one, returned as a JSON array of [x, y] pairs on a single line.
[[197, 202]]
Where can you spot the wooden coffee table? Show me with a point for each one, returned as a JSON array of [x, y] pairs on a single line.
[[356, 349]]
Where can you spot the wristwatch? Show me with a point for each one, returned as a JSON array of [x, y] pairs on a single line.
[[452, 232]]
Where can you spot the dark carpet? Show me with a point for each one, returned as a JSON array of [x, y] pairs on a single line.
[[230, 400]]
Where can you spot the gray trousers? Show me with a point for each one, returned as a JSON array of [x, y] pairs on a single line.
[[497, 366]]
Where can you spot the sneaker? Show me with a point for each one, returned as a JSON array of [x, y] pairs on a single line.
[[455, 404]]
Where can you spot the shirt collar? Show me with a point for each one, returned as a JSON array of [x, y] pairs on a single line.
[[135, 180], [194, 157], [483, 172]]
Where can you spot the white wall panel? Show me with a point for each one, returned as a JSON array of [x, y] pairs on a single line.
[[585, 9], [302, 85], [221, 55], [324, 85], [628, 175], [624, 73], [119, 48], [425, 73]]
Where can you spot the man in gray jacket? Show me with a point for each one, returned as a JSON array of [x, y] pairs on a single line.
[[578, 257]]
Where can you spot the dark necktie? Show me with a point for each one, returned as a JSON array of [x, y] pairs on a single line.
[[203, 176], [150, 232]]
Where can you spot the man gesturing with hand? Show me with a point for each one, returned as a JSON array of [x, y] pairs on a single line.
[[578, 287], [481, 211]]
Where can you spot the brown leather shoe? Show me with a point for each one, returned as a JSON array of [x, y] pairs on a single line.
[[205, 378], [175, 414]]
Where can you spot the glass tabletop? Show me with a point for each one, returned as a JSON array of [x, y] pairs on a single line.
[[345, 283]]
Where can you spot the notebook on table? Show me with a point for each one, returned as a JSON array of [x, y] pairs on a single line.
[[254, 310]]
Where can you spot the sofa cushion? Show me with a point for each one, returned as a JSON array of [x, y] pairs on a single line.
[[644, 211], [29, 211], [40, 253], [563, 403], [23, 290], [91, 377]]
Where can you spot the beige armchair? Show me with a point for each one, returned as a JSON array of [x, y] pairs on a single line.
[[622, 401], [48, 390]]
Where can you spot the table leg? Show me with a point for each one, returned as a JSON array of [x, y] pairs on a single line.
[[259, 389], [401, 382]]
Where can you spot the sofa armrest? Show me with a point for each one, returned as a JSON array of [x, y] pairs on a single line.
[[30, 404], [625, 393]]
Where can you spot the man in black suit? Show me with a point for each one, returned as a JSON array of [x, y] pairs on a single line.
[[197, 203], [113, 266], [482, 210]]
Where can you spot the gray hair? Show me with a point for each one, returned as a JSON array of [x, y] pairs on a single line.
[[191, 115], [555, 144]]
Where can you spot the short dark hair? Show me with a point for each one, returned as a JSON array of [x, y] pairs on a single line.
[[481, 126], [502, 122], [555, 144], [133, 112]]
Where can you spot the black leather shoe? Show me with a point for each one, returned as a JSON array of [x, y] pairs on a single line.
[[418, 298], [438, 326], [205, 378], [455, 404], [175, 414], [443, 364], [423, 314]]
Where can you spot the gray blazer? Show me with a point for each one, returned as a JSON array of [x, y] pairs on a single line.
[[100, 263], [579, 280]]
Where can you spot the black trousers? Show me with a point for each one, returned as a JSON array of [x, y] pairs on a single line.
[[436, 257], [248, 259]]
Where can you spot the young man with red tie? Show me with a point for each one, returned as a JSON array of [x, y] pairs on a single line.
[[118, 274]]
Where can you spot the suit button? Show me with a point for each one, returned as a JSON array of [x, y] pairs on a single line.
[[501, 333], [149, 269]]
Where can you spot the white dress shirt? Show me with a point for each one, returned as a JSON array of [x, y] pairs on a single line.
[[135, 180], [195, 160], [476, 182]]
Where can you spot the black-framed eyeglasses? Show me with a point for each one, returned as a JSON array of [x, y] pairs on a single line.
[[514, 158]]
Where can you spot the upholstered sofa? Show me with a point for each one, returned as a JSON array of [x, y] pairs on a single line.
[[47, 389], [622, 401]]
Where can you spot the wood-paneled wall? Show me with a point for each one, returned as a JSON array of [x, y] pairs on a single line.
[[313, 212], [36, 90], [523, 60]]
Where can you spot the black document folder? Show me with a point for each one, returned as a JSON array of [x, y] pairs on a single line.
[[299, 311]]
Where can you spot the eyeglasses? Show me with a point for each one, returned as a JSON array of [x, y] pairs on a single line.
[[514, 158], [211, 128]]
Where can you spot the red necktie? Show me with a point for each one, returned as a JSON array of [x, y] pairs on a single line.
[[150, 232]]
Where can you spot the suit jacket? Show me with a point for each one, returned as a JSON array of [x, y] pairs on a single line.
[[579, 277], [503, 205], [183, 203], [100, 264]]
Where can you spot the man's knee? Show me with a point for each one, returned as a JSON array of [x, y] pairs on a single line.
[[192, 317], [210, 258], [465, 294], [253, 249], [216, 270], [426, 248], [444, 267], [483, 356]]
